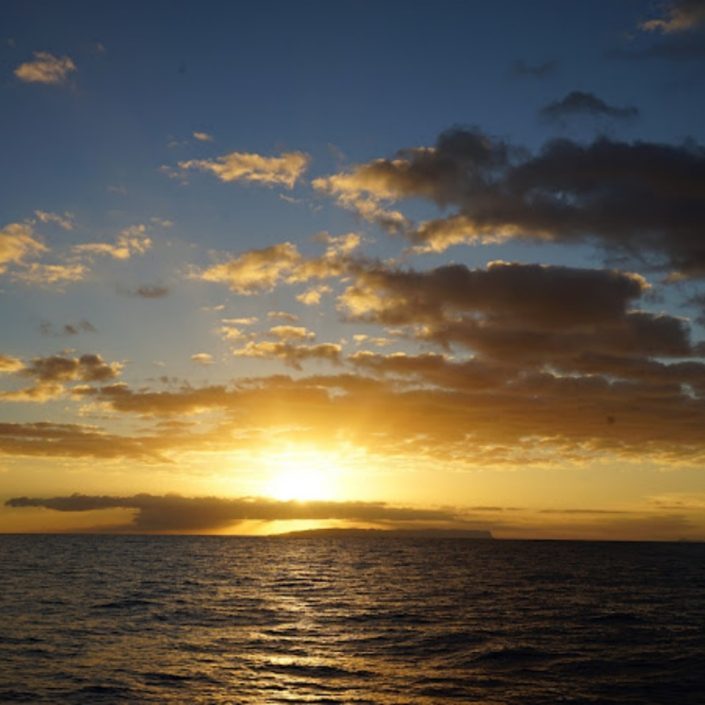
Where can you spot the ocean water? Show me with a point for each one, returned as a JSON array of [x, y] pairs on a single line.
[[107, 619]]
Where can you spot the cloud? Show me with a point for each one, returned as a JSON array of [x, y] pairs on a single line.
[[292, 354], [10, 364], [521, 68], [283, 316], [82, 326], [284, 170], [377, 341], [640, 199], [582, 103], [203, 358], [51, 373], [680, 29], [202, 136], [186, 400], [89, 367], [528, 317], [146, 291], [176, 513], [479, 411], [312, 296], [255, 271], [291, 333], [17, 242], [51, 440], [39, 274], [680, 16], [130, 241], [46, 68], [549, 296], [242, 321], [65, 221]]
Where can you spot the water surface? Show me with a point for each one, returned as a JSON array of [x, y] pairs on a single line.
[[108, 619]]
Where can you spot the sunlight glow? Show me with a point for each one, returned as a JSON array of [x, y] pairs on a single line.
[[302, 473]]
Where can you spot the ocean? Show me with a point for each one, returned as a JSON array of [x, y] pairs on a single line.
[[175, 619]]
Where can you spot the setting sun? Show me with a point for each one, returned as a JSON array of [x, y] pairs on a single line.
[[302, 474]]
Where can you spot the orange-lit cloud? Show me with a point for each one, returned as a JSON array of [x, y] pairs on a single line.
[[292, 354], [263, 269], [284, 170], [17, 242], [40, 274], [51, 373], [203, 358], [680, 16], [10, 364], [46, 68], [130, 241]]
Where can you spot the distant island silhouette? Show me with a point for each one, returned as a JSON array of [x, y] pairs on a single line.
[[391, 533]]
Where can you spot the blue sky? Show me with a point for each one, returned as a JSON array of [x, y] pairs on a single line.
[[159, 155]]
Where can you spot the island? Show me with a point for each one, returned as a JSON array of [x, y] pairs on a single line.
[[340, 533]]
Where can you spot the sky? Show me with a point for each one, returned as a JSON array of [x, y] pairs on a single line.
[[272, 266]]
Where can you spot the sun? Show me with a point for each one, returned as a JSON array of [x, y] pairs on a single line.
[[302, 473]]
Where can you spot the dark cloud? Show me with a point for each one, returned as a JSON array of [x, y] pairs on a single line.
[[146, 291], [642, 199], [186, 400], [176, 513], [72, 441], [582, 103], [60, 368], [546, 296], [68, 329], [522, 68]]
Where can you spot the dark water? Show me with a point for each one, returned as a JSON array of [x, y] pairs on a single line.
[[93, 620]]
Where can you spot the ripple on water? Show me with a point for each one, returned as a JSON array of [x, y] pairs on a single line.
[[172, 620]]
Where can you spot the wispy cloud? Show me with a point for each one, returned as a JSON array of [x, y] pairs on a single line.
[[546, 68], [46, 68], [203, 358], [39, 274], [66, 221], [582, 103], [145, 291], [130, 241], [262, 269], [284, 170], [17, 242], [679, 16], [68, 329]]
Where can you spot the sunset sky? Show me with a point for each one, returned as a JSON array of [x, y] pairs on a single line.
[[269, 266]]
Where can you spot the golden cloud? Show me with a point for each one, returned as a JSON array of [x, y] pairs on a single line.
[[45, 68], [283, 170], [18, 241], [130, 241]]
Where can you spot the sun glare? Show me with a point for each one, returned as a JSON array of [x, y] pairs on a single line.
[[302, 474]]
